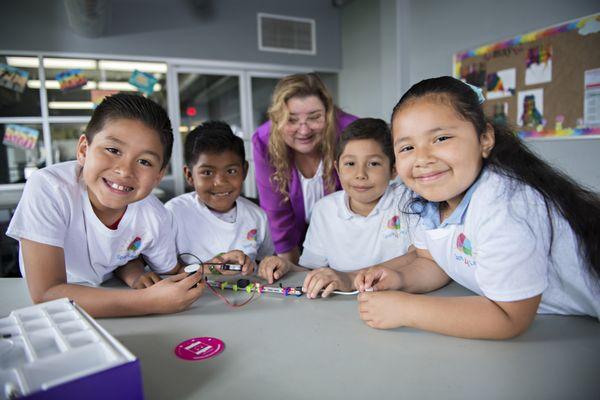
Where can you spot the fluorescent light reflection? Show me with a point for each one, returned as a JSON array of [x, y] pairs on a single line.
[[91, 85], [74, 63], [71, 105]]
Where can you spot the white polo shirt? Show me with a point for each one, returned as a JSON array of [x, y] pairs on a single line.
[[200, 232], [55, 210], [345, 241], [496, 243]]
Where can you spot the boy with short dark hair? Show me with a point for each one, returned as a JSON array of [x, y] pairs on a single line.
[[214, 218], [79, 222]]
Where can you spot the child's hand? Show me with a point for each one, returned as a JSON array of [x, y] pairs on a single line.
[[377, 278], [382, 310], [325, 279], [235, 257], [145, 280], [174, 294], [272, 268]]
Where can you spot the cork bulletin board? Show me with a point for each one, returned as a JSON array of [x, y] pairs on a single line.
[[546, 82]]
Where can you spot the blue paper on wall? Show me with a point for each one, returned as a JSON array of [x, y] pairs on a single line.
[[143, 81], [13, 78]]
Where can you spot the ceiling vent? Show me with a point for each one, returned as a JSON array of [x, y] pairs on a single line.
[[286, 34]]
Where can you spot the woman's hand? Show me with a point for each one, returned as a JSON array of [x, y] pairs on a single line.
[[272, 268], [328, 280]]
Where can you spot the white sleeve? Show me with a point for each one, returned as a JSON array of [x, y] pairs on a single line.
[[174, 226], [42, 214], [512, 255], [161, 255], [417, 234], [266, 246], [313, 252]]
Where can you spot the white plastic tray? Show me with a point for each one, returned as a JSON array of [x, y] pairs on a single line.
[[48, 344]]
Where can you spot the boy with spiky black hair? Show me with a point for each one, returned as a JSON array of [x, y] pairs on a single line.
[[214, 218]]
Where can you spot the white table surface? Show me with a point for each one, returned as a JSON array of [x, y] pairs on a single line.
[[295, 348]]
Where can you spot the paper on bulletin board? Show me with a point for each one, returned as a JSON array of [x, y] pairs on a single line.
[[473, 74], [71, 79], [20, 136], [530, 108], [500, 113], [501, 83], [143, 81], [539, 65], [13, 78], [591, 107]]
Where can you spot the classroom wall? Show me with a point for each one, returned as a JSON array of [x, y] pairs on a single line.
[[428, 33], [372, 72], [200, 29]]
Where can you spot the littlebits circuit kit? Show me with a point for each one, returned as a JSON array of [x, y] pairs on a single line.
[[55, 350]]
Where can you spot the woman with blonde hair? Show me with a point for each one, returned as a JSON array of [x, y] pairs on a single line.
[[294, 157]]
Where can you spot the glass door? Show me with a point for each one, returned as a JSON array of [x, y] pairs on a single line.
[[203, 95], [261, 89], [239, 97]]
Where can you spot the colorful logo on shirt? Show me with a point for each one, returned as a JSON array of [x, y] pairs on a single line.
[[131, 251], [463, 244], [252, 235], [394, 223], [135, 244]]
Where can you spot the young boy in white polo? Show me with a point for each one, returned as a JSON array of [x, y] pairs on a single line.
[[214, 218], [79, 222], [360, 226]]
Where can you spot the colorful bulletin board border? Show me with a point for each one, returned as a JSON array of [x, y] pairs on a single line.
[[521, 39], [560, 133], [587, 127]]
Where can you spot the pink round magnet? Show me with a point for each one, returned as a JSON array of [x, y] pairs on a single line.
[[199, 348]]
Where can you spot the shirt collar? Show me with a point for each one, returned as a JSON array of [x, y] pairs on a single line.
[[384, 203], [430, 215]]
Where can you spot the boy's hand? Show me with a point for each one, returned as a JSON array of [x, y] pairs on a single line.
[[378, 278], [174, 294], [326, 279], [272, 268], [146, 280], [235, 257]]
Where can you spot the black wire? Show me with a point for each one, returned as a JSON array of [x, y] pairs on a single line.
[[196, 257], [189, 254]]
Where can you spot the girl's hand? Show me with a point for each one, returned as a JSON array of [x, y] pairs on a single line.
[[326, 279], [235, 257], [382, 310], [378, 278], [272, 268], [174, 294], [146, 280]]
